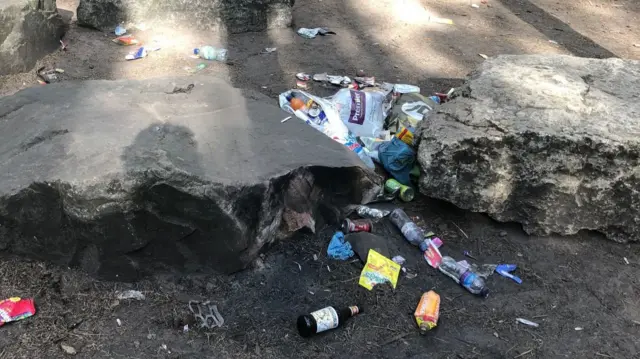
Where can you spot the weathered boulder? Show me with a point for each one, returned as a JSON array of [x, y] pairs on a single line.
[[552, 142], [117, 177], [29, 29], [232, 16]]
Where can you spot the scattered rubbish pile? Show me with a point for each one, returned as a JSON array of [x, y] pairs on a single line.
[[204, 52], [379, 122], [130, 40]]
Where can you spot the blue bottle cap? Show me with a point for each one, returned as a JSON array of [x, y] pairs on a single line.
[[196, 51]]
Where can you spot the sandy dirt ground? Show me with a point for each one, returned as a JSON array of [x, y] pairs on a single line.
[[582, 290]]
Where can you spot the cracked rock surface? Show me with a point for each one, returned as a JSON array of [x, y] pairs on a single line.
[[121, 177], [551, 142]]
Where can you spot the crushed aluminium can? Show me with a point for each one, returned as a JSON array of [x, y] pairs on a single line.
[[356, 225]]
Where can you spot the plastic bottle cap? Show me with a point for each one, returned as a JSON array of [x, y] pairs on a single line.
[[196, 51]]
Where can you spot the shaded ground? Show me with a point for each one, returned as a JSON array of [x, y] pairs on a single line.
[[578, 282], [569, 283]]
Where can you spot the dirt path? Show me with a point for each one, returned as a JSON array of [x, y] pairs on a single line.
[[577, 282]]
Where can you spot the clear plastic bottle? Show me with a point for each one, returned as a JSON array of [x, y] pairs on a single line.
[[463, 276], [211, 53], [450, 267], [410, 230]]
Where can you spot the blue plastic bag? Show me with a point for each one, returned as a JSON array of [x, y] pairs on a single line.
[[398, 159], [120, 30], [338, 248]]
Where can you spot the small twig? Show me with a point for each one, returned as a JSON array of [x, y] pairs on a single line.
[[603, 355], [523, 354], [342, 281], [466, 342], [454, 223], [397, 337], [454, 298], [376, 326]]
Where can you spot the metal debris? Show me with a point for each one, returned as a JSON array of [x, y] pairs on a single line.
[[206, 313]]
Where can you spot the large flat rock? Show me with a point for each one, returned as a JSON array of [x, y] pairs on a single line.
[[551, 142], [29, 30], [117, 177], [233, 16]]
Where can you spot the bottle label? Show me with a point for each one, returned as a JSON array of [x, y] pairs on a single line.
[[326, 319], [467, 278]]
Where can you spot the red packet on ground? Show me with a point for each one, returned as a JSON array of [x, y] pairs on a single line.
[[15, 308], [432, 254], [126, 40]]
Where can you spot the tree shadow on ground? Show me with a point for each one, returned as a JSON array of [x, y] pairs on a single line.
[[557, 30]]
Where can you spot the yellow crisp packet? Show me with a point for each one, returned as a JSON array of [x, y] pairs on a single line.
[[405, 135], [379, 269]]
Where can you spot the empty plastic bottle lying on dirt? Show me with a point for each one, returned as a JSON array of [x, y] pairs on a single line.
[[410, 230], [211, 53], [464, 276], [416, 236]]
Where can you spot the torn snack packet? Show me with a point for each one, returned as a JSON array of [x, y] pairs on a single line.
[[379, 269], [16, 308]]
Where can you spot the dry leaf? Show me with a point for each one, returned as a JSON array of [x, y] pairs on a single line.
[[68, 349]]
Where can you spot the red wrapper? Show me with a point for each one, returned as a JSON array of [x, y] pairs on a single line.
[[15, 308]]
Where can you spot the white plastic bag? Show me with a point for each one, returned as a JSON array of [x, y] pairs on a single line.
[[328, 122], [361, 111]]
